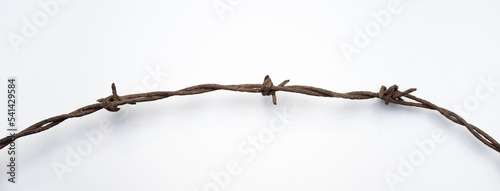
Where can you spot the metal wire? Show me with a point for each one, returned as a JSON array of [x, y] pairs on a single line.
[[389, 95]]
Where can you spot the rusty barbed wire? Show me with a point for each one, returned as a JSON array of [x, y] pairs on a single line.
[[389, 95]]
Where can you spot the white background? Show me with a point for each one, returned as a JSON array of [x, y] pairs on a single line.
[[443, 48]]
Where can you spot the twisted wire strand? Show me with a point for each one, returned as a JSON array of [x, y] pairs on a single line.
[[388, 95]]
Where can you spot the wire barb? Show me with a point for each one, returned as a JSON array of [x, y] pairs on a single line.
[[109, 103], [267, 88], [392, 94]]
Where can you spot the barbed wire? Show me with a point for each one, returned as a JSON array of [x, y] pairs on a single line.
[[389, 95]]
